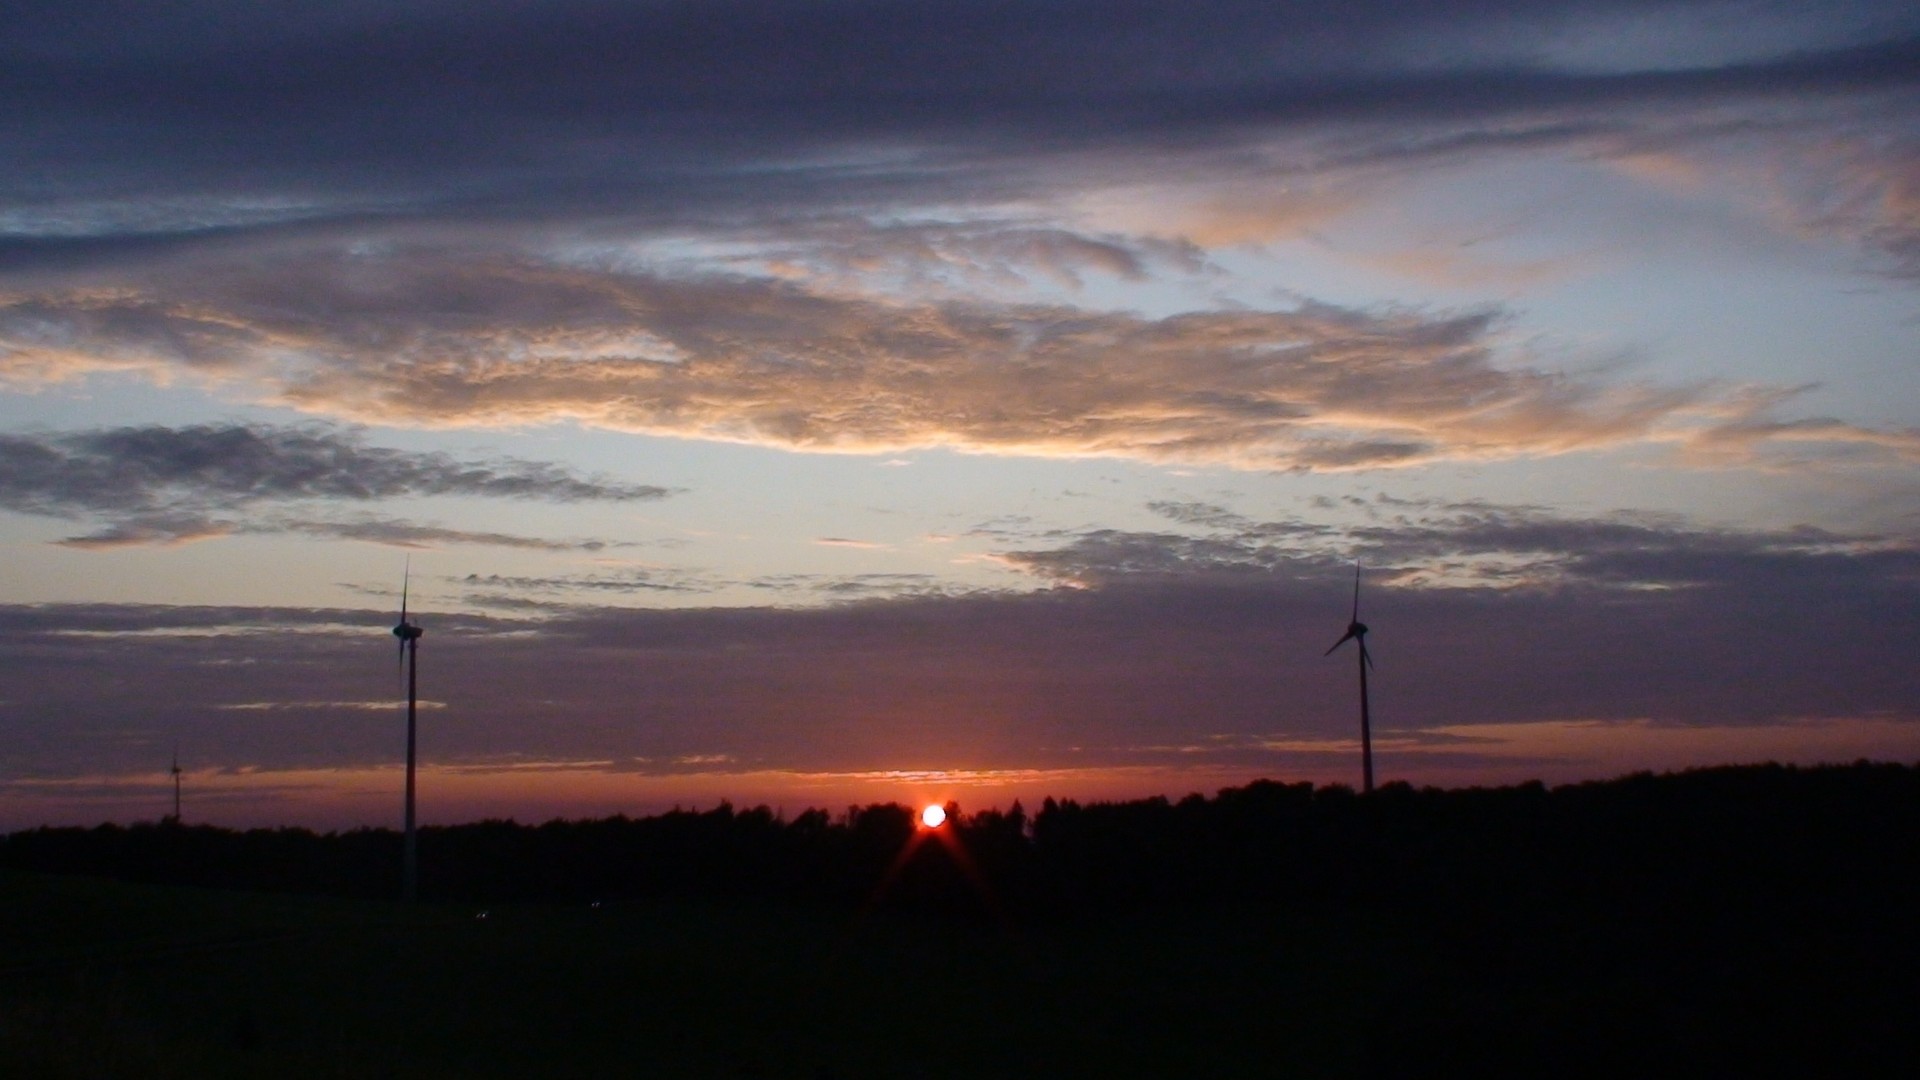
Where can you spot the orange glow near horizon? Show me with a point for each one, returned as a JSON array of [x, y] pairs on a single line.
[[451, 795], [1554, 752]]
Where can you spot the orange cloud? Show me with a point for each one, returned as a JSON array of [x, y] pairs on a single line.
[[431, 339]]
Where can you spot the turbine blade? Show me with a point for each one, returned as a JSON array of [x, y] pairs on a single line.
[[1350, 636], [1356, 593], [406, 584], [1365, 656]]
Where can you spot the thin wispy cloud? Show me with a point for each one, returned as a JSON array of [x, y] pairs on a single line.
[[407, 534], [323, 706], [632, 581]]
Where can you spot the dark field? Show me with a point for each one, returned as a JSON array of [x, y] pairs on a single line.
[[1710, 923], [152, 981]]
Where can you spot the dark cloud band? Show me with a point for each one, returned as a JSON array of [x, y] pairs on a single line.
[[1711, 628], [165, 485]]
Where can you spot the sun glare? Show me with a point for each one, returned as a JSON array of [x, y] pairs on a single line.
[[933, 817]]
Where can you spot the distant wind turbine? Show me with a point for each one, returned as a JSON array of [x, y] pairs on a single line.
[[176, 783], [1357, 631], [409, 635]]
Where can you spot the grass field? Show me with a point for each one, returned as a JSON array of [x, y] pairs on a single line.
[[107, 979]]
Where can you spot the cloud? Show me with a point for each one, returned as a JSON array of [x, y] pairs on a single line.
[[500, 586], [579, 91], [386, 706], [564, 592], [843, 588], [235, 464], [921, 256], [1866, 188], [174, 530], [162, 485], [1478, 545], [409, 534], [1831, 177], [654, 220], [149, 530], [1642, 623], [190, 127], [455, 338]]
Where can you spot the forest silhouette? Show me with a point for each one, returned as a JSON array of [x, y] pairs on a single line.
[[1764, 831], [1706, 918]]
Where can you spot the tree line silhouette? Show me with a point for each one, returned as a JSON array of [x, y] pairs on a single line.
[[1672, 842]]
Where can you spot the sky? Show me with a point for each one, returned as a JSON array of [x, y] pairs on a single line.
[[809, 404]]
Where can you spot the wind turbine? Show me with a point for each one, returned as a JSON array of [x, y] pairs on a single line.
[[1357, 631], [409, 635], [176, 783]]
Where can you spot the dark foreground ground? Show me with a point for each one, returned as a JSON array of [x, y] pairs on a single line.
[[150, 981], [1713, 925]]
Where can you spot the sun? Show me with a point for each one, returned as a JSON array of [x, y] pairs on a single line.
[[933, 817]]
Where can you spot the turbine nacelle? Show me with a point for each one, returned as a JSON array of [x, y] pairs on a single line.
[[409, 634], [1356, 631]]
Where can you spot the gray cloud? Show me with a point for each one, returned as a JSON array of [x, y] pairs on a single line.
[[409, 534], [1664, 625], [168, 485], [503, 586], [1455, 544], [578, 592], [235, 464], [857, 587], [150, 530], [152, 129], [588, 87], [147, 530]]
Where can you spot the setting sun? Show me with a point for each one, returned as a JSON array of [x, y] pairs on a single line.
[[933, 817]]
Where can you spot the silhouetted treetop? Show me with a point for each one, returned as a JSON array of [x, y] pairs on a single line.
[[1728, 839]]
